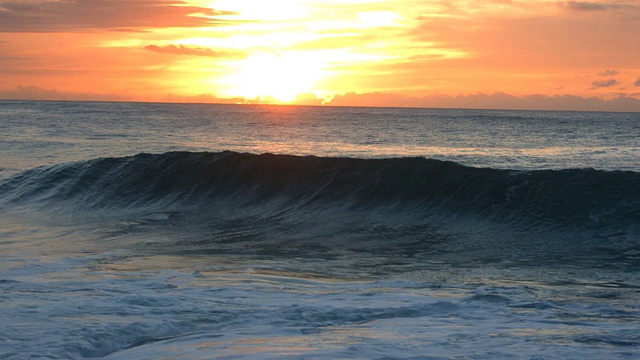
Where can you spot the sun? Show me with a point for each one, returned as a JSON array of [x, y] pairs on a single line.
[[279, 76]]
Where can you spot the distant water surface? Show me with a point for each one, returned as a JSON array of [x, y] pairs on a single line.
[[39, 133]]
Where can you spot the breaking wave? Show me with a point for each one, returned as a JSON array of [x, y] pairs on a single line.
[[604, 205]]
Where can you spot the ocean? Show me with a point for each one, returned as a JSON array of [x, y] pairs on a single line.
[[199, 231]]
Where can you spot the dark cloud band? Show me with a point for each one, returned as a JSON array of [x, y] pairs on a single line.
[[81, 15], [604, 83], [192, 51]]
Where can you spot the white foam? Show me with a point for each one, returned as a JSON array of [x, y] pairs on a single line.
[[104, 306]]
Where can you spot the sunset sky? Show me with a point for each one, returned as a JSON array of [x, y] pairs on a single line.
[[538, 54]]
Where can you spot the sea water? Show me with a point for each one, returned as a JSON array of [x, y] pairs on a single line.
[[162, 231]]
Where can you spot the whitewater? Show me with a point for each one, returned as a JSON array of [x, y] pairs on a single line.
[[200, 231]]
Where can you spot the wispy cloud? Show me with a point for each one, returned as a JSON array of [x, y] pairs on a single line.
[[604, 83], [593, 6], [79, 15], [637, 83], [192, 51], [586, 6], [608, 73]]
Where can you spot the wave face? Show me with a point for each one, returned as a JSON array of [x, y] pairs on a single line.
[[603, 205]]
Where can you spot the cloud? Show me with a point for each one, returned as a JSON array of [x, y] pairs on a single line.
[[36, 93], [604, 83], [200, 99], [590, 6], [585, 6], [498, 100], [79, 15], [637, 83], [375, 99], [193, 51], [608, 73]]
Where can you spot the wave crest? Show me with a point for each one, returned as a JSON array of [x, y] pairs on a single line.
[[402, 205], [577, 196]]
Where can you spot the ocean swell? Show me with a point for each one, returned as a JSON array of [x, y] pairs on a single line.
[[290, 206], [583, 197]]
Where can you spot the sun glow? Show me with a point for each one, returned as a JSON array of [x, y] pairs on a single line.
[[279, 76], [263, 10], [289, 49]]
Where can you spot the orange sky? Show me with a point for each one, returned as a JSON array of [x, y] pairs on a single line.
[[538, 54]]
